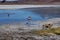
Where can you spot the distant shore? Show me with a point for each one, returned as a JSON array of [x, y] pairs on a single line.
[[30, 3]]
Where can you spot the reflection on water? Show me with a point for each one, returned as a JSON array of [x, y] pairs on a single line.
[[37, 14], [18, 16]]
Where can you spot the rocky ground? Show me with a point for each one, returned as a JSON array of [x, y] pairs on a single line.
[[10, 35], [17, 35], [15, 32]]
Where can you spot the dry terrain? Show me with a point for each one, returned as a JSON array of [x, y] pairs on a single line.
[[33, 2]]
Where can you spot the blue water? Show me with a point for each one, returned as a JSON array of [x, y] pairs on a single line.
[[18, 16]]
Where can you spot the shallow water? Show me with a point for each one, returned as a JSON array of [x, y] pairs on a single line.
[[18, 16]]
